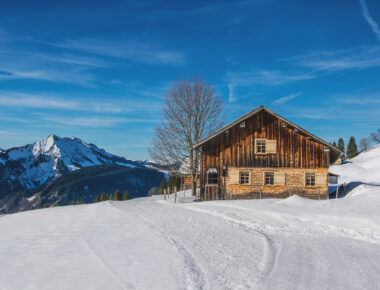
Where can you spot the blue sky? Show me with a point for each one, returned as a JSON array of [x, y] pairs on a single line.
[[99, 70]]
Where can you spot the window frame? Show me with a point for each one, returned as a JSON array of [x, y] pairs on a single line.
[[306, 179], [271, 178], [248, 177], [213, 178], [257, 146]]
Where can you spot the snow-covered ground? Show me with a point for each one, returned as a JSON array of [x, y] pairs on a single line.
[[151, 243]]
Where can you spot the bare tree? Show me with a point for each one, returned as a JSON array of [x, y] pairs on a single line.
[[364, 144], [375, 137], [192, 111]]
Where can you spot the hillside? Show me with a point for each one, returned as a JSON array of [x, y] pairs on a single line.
[[83, 185], [363, 168], [151, 243], [30, 171]]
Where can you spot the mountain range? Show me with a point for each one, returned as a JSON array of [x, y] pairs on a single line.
[[30, 175]]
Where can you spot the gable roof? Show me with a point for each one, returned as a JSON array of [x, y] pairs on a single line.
[[256, 111]]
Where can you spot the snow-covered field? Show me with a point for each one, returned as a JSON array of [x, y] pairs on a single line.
[[150, 243]]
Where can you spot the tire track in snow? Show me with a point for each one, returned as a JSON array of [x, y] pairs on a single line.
[[271, 251], [195, 277]]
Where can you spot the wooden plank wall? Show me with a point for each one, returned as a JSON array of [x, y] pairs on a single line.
[[236, 148]]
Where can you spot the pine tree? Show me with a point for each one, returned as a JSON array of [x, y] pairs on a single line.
[[117, 195], [73, 202], [125, 196], [110, 197], [103, 196], [334, 144], [97, 198], [81, 202], [341, 146], [352, 148], [46, 206], [163, 186]]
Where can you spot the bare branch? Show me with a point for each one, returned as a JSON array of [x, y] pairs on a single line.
[[191, 112]]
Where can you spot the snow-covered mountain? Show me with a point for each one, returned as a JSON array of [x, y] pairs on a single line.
[[35, 164]]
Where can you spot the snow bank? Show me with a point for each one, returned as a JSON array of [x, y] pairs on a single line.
[[364, 168]]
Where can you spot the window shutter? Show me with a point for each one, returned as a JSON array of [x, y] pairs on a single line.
[[321, 179], [234, 175], [279, 178], [271, 146]]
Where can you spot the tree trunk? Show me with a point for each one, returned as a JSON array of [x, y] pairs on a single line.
[[194, 186]]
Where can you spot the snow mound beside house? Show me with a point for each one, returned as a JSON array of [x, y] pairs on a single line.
[[363, 168]]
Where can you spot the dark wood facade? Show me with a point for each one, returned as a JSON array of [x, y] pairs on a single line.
[[234, 147]]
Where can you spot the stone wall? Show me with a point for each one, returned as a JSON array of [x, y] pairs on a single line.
[[287, 182]]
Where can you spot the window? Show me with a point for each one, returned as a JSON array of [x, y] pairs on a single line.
[[260, 146], [310, 179], [212, 176], [244, 177], [269, 178]]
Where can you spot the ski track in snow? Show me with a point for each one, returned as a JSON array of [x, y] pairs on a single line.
[[194, 275]]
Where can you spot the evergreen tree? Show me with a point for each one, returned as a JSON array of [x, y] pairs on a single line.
[[97, 198], [81, 202], [117, 195], [163, 186], [46, 206], [103, 196], [341, 146], [110, 197], [73, 202], [125, 196], [352, 148], [334, 144]]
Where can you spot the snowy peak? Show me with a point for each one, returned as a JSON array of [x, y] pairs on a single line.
[[34, 164]]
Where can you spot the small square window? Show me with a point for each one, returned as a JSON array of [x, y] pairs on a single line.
[[269, 178], [310, 179], [244, 177], [260, 146]]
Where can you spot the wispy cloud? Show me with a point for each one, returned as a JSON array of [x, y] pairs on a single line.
[[285, 99], [72, 59], [340, 60], [94, 121], [76, 76], [263, 77], [130, 50], [45, 102], [99, 104], [267, 77], [369, 19], [232, 60]]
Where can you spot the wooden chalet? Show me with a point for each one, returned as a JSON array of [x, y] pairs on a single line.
[[263, 155]]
